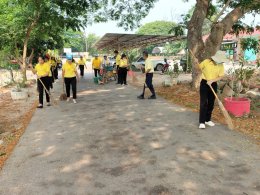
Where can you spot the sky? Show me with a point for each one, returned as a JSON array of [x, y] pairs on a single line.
[[169, 10]]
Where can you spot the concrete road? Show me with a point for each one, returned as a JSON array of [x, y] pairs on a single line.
[[112, 143]]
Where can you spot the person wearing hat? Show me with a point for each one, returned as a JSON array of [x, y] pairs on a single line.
[[96, 65], [212, 71], [118, 61], [148, 70], [82, 66], [70, 76], [48, 63], [122, 72], [42, 70]]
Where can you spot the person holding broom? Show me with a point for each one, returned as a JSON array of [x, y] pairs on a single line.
[[42, 70], [212, 71], [148, 70], [70, 77]]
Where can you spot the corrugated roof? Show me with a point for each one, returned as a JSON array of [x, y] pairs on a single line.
[[129, 41]]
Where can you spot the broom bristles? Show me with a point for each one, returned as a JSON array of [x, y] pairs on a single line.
[[226, 115], [63, 97]]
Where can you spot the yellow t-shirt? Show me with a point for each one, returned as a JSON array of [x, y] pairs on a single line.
[[69, 70], [149, 65], [123, 63], [118, 60], [210, 70], [48, 63], [53, 63], [81, 62], [42, 69], [96, 63]]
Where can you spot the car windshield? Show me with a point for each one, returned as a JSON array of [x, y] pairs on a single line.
[[140, 59]]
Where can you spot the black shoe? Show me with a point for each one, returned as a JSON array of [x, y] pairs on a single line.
[[141, 97], [153, 97]]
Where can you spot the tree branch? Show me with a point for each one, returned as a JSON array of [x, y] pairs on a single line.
[[222, 11]]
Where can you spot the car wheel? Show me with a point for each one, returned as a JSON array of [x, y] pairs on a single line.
[[159, 67]]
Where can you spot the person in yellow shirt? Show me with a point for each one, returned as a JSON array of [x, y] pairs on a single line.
[[42, 71], [69, 77], [148, 70], [82, 66], [96, 65], [122, 72], [212, 71], [54, 68], [118, 59], [48, 62]]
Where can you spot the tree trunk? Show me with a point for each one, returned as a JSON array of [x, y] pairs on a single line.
[[25, 47], [24, 66], [205, 50], [195, 42]]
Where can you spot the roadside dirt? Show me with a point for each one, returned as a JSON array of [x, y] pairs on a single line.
[[14, 118]]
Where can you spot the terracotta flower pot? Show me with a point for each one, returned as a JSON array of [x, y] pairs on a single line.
[[237, 106]]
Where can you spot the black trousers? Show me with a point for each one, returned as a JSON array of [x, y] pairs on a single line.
[[122, 76], [45, 81], [117, 69], [207, 100], [96, 72], [51, 82], [55, 72], [149, 83], [81, 68], [73, 83]]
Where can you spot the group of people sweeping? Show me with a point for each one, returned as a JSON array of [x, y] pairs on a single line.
[[212, 71], [46, 73]]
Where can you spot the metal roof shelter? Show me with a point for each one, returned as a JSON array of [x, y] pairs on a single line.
[[113, 41]]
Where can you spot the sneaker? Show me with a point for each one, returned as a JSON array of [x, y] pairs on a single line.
[[74, 101], [141, 97], [48, 104], [153, 97], [68, 99], [210, 123], [40, 106], [202, 126]]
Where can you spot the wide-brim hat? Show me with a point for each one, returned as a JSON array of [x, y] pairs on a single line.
[[220, 57]]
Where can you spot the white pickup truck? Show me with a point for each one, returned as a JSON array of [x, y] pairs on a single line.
[[157, 63]]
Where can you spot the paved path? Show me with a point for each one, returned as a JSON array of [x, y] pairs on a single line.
[[111, 143]]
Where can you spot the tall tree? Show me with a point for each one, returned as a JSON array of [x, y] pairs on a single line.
[[156, 28], [231, 12]]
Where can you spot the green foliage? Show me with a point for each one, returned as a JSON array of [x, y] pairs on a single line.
[[156, 28], [162, 28], [75, 40], [91, 40], [250, 43]]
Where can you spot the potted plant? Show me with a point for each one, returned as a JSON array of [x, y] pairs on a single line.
[[171, 77], [19, 92], [237, 104]]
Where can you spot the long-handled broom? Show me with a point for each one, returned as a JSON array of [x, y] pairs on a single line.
[[63, 96], [221, 106], [48, 92]]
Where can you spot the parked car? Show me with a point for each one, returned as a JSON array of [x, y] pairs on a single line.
[[157, 63]]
